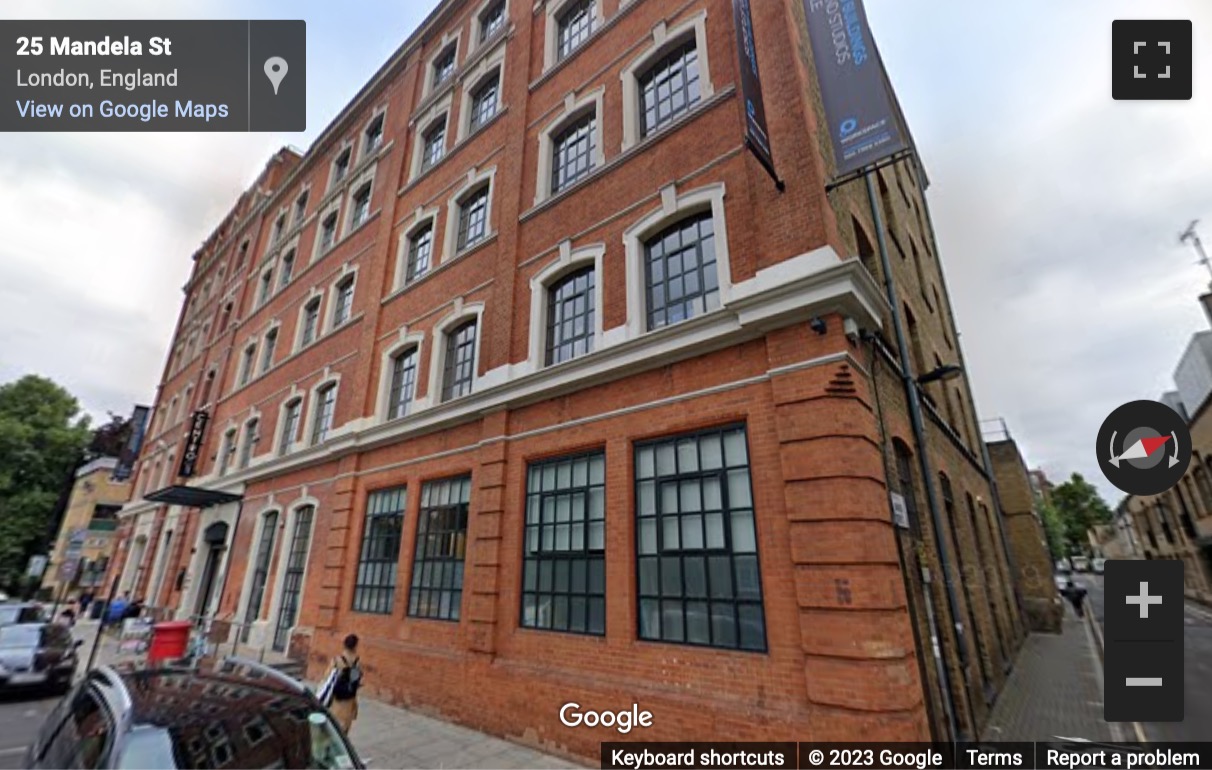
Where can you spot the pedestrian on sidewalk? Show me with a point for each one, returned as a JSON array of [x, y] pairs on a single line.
[[1077, 597], [344, 706]]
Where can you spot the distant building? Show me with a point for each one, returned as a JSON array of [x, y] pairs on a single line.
[[1172, 399], [85, 542], [1193, 376]]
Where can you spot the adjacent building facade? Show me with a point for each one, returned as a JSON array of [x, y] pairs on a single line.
[[85, 543], [527, 373]]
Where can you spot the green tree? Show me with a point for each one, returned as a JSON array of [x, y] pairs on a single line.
[[42, 439], [1080, 507], [1054, 530]]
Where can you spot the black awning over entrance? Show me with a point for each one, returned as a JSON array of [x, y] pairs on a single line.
[[191, 497]]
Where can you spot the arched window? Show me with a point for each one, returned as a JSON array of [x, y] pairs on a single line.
[[681, 278], [459, 368], [403, 383], [904, 482], [570, 316]]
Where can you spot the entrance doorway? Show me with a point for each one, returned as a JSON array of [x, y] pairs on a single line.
[[214, 540]]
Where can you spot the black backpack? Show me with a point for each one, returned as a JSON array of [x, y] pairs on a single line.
[[349, 679]]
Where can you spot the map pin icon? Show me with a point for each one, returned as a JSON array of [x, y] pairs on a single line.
[[275, 70]]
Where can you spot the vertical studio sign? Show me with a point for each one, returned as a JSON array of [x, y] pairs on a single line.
[[193, 445], [864, 123], [757, 137]]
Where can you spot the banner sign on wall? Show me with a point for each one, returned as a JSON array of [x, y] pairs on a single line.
[[863, 118], [193, 444], [130, 452], [756, 134]]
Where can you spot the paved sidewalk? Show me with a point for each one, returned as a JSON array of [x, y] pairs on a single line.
[[1056, 689], [390, 737]]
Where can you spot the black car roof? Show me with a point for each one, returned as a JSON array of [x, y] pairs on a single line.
[[161, 695]]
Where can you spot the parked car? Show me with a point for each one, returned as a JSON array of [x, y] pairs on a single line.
[[239, 713], [37, 655], [1097, 566], [1080, 563], [22, 612]]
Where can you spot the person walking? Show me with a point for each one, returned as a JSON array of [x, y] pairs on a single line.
[[1077, 597], [348, 669]]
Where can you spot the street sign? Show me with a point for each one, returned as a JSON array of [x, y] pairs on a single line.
[[37, 566]]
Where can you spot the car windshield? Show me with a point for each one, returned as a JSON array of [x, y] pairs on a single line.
[[20, 636], [276, 743]]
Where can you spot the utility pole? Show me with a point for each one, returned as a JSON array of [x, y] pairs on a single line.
[[1191, 235]]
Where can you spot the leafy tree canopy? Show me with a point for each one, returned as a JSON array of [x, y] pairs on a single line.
[[1080, 507], [42, 439]]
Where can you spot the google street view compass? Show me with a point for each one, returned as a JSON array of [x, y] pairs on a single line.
[[1144, 447]]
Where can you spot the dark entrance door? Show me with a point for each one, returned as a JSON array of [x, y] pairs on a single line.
[[292, 583], [214, 540]]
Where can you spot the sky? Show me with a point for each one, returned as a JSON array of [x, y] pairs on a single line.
[[1057, 208]]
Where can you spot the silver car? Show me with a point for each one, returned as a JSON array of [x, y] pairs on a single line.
[[37, 655]]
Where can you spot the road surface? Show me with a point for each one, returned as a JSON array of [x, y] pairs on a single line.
[[20, 717], [1197, 659]]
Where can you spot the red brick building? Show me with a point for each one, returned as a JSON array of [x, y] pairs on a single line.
[[528, 374]]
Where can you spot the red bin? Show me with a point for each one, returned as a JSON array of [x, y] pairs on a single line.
[[169, 641]]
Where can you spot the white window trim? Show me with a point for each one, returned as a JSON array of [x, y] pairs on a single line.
[[275, 234], [348, 272], [313, 404], [437, 364], [475, 178], [551, 30], [477, 24], [333, 181], [663, 40], [314, 294], [404, 340], [254, 547], [285, 547], [673, 207], [242, 438], [472, 82], [450, 38], [363, 147], [440, 110], [568, 261], [421, 218], [367, 177], [275, 326], [318, 251], [574, 109], [294, 395]]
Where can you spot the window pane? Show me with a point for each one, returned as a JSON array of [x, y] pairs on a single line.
[[570, 316], [669, 88], [460, 361], [704, 565], [375, 585], [565, 552], [572, 152], [680, 274], [440, 549], [575, 25]]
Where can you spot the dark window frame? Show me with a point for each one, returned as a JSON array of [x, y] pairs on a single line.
[[260, 574], [326, 408], [583, 288], [374, 133], [712, 562], [379, 553], [269, 347], [678, 74], [402, 386], [575, 24], [292, 413], [485, 101], [433, 143], [361, 205], [342, 309], [420, 252], [459, 372], [553, 576], [440, 550], [492, 19], [659, 284], [572, 150], [473, 217], [444, 66], [287, 270], [311, 322]]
